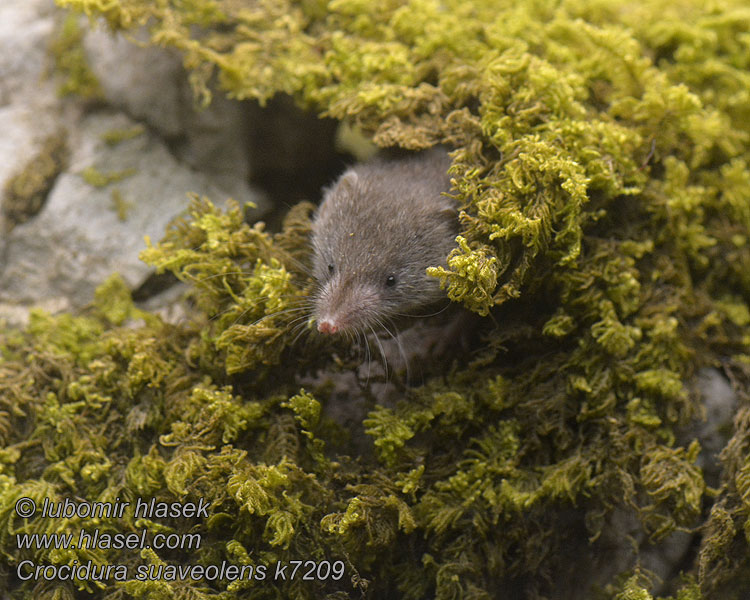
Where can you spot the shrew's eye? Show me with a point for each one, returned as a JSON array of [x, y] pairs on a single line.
[[331, 268], [390, 281]]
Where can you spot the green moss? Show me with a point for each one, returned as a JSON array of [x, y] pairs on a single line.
[[120, 205], [471, 277], [116, 136], [113, 302], [97, 178], [600, 158], [26, 192], [70, 61], [633, 591]]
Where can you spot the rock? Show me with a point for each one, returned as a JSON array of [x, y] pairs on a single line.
[[16, 315], [107, 195], [25, 27], [149, 84], [78, 238], [29, 107]]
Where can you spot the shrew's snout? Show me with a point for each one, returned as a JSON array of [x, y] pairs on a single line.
[[345, 306], [328, 326]]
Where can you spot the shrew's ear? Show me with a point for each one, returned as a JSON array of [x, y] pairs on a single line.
[[448, 208], [348, 181]]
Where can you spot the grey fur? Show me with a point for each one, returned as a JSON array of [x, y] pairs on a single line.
[[382, 219]]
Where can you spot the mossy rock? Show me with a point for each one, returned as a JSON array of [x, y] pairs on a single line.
[[600, 153]]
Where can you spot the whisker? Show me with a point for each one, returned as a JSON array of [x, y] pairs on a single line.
[[223, 274], [398, 343], [258, 301], [418, 316], [368, 357], [302, 329], [297, 322], [296, 264], [402, 352], [382, 353], [286, 311], [264, 317]]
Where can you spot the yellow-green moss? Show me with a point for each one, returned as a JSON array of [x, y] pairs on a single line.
[[120, 205], [70, 62], [115, 136], [26, 192], [97, 178]]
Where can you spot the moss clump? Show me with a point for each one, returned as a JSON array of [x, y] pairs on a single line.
[[26, 192], [120, 205], [115, 136], [70, 62], [97, 178], [600, 153]]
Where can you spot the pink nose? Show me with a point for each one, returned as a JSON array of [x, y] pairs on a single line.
[[327, 326]]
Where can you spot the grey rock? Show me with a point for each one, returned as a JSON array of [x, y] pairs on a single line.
[[77, 239], [145, 82], [18, 315], [29, 106], [149, 84], [25, 26]]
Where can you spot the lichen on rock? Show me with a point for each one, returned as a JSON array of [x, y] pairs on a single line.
[[70, 61], [26, 192]]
